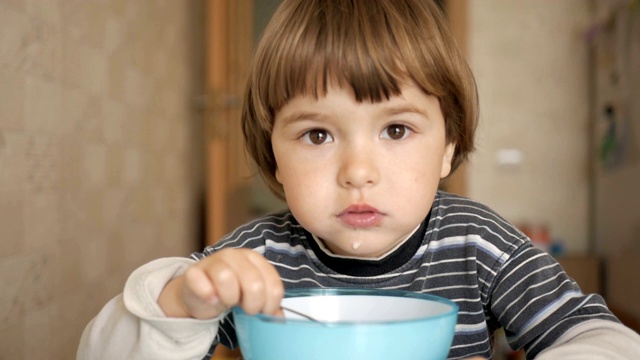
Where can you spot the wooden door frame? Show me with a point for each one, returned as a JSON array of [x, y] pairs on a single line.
[[229, 48], [216, 69]]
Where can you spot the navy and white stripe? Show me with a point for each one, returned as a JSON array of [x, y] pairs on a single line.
[[467, 253]]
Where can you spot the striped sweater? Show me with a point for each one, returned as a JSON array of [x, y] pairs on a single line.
[[463, 251]]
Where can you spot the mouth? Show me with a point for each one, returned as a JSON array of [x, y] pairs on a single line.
[[360, 216]]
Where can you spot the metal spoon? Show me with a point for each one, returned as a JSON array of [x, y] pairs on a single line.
[[311, 318]]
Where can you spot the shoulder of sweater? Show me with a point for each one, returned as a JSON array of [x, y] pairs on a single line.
[[457, 218]]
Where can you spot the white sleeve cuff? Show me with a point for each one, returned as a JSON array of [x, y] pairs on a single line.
[[143, 289], [133, 326], [595, 339]]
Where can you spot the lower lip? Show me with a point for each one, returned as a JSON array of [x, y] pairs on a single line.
[[360, 219]]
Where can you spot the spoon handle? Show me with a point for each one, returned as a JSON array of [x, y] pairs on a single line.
[[284, 308]]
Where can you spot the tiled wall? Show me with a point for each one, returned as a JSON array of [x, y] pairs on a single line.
[[101, 155]]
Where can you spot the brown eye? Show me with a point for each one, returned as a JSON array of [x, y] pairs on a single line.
[[318, 136], [396, 132]]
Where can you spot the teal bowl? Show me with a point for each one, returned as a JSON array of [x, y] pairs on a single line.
[[355, 324]]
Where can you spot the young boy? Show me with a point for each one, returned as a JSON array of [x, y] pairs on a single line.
[[354, 112]]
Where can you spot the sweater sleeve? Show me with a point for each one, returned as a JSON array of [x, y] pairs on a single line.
[[595, 339], [133, 326], [537, 302]]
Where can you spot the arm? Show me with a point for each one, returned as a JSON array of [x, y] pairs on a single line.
[[132, 325], [595, 339], [537, 303], [171, 308]]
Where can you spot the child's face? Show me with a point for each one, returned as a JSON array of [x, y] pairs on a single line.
[[361, 176]]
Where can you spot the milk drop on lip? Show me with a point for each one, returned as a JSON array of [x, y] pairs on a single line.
[[355, 245]]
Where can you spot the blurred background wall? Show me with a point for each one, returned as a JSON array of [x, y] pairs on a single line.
[[101, 159], [549, 154], [530, 59]]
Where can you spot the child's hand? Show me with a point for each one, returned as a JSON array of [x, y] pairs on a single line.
[[227, 278]]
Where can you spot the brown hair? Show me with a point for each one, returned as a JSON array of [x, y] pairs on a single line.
[[373, 46]]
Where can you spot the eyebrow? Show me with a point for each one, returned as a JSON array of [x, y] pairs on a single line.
[[386, 110], [301, 115], [404, 108]]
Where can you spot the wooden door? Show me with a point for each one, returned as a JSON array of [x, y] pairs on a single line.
[[229, 48]]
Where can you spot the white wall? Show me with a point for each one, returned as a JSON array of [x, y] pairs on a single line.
[[530, 62]]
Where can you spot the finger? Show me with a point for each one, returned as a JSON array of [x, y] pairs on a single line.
[[244, 277], [200, 285], [278, 312], [199, 296], [225, 281], [274, 288], [253, 285]]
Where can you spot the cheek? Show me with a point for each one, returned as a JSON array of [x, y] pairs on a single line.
[[423, 179], [423, 169], [293, 179]]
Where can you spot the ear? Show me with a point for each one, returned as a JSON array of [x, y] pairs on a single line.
[[277, 175], [447, 157]]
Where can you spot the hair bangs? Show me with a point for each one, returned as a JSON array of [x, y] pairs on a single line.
[[334, 49]]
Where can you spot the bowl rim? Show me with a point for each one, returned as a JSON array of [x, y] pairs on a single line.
[[306, 292]]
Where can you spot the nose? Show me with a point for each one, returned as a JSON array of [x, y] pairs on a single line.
[[358, 167]]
